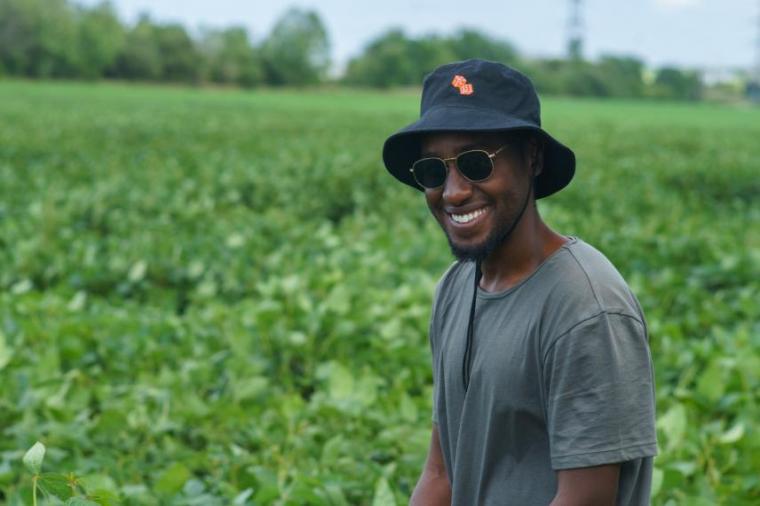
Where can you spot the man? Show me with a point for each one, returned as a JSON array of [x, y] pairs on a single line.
[[543, 382]]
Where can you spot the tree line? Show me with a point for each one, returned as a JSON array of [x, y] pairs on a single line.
[[60, 39], [394, 59]]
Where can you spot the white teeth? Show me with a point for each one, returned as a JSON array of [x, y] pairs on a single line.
[[466, 218]]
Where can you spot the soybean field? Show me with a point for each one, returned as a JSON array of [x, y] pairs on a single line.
[[215, 297]]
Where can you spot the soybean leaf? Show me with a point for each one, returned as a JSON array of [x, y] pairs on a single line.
[[383, 494], [34, 456], [103, 497], [80, 501], [56, 484], [5, 351], [673, 423], [733, 434], [172, 479]]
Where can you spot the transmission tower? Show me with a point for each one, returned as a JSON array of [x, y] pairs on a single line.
[[756, 75], [575, 31], [753, 86]]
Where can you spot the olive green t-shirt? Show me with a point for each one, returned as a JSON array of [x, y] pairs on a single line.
[[561, 377]]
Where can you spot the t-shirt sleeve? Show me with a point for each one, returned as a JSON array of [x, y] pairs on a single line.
[[599, 391]]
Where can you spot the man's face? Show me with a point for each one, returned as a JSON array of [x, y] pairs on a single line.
[[477, 217]]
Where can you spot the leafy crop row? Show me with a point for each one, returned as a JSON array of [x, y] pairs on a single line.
[[222, 298]]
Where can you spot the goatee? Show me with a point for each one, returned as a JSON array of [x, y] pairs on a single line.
[[496, 238], [480, 252]]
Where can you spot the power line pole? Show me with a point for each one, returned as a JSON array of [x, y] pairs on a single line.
[[753, 86], [757, 47], [575, 31]]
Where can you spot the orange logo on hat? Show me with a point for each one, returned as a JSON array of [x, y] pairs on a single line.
[[461, 83], [465, 89], [458, 81]]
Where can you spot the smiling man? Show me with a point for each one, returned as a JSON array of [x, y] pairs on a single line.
[[543, 380]]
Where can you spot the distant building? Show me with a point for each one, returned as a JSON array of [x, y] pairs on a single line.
[[717, 75], [753, 91], [730, 84]]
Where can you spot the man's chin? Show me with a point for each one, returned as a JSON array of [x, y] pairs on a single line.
[[470, 253], [479, 251]]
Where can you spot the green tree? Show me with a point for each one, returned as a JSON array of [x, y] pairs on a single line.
[[158, 52], [428, 52], [179, 56], [583, 79], [384, 62], [230, 57], [393, 59], [568, 77], [141, 56], [544, 74], [674, 83], [38, 38], [101, 39], [297, 50], [623, 75], [468, 43], [611, 76]]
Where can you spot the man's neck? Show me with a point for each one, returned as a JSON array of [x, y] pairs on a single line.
[[529, 244]]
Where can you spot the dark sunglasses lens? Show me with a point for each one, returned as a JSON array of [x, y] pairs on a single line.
[[429, 172], [474, 165]]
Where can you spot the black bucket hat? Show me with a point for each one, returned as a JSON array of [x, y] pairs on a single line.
[[478, 96]]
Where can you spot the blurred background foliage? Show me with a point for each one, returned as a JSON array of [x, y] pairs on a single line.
[[61, 39]]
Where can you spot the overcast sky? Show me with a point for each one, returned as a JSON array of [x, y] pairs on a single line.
[[696, 33]]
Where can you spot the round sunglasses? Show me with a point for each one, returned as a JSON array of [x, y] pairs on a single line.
[[475, 166]]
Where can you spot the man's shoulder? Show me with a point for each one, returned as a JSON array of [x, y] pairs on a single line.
[[589, 271], [582, 283], [454, 277], [584, 260], [575, 283]]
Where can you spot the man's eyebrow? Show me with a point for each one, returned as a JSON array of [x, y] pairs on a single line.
[[474, 145], [466, 147]]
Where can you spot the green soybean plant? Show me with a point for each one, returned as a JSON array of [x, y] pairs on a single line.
[[68, 489]]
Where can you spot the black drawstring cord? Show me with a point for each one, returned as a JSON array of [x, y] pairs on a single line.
[[478, 275], [470, 325]]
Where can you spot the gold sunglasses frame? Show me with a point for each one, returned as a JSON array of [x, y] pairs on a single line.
[[446, 161]]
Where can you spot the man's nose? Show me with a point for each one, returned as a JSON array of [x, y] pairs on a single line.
[[456, 189]]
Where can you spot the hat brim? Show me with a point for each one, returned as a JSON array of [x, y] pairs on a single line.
[[402, 149]]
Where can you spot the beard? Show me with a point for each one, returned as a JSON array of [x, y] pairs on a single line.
[[479, 252]]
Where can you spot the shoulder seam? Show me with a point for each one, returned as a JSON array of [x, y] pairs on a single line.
[[450, 269], [600, 313], [446, 276], [588, 278]]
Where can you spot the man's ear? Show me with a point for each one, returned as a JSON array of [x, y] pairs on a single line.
[[536, 155]]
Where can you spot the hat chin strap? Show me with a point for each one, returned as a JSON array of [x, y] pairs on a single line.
[[478, 275]]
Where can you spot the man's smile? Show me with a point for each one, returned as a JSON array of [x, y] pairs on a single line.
[[465, 220]]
